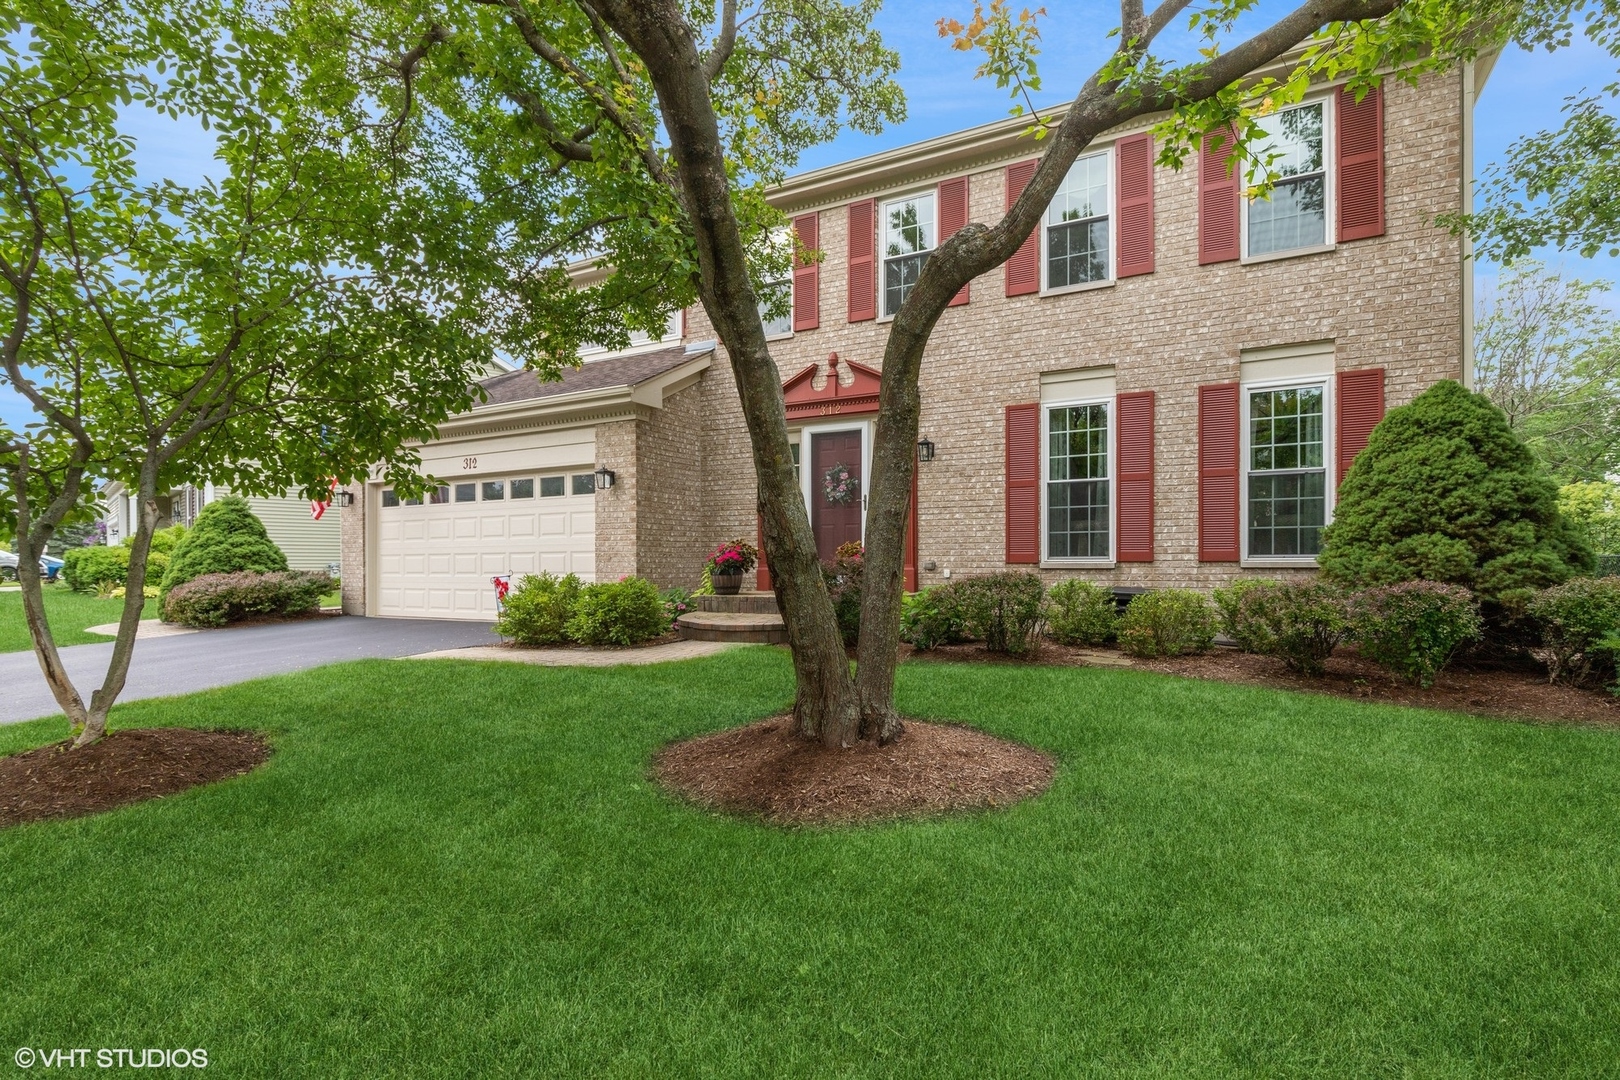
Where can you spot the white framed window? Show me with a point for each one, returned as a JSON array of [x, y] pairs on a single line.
[[776, 308], [909, 232], [1077, 463], [1287, 499], [1295, 216], [1075, 239]]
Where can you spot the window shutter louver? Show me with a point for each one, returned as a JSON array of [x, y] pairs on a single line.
[[953, 214], [1023, 271], [1218, 473], [1219, 208], [762, 573], [1133, 432], [1361, 164], [863, 260], [1133, 159], [1361, 406], [1024, 483], [806, 276]]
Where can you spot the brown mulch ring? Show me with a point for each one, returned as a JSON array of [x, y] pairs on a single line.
[[1516, 693], [125, 767], [768, 770]]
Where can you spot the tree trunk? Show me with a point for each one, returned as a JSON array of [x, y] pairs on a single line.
[[825, 705]]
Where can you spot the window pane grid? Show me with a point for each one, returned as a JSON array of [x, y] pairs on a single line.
[[1295, 216], [1077, 225], [1287, 480], [908, 237], [1077, 505]]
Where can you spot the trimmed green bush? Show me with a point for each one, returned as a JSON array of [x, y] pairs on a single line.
[[1080, 613], [226, 538], [1445, 491], [218, 599], [1003, 610], [1251, 636], [1167, 622], [164, 541], [933, 617], [843, 576], [1299, 624], [1576, 618], [624, 612], [87, 569], [538, 611], [1414, 627]]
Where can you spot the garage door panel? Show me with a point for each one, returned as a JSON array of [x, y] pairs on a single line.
[[439, 530], [521, 526], [466, 528]]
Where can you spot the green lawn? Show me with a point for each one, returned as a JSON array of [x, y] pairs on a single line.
[[455, 869], [69, 613]]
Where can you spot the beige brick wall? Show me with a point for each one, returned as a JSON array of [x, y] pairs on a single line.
[[353, 552], [1393, 301], [672, 539], [616, 516]]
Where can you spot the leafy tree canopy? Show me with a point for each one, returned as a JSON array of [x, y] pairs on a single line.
[[1444, 491]]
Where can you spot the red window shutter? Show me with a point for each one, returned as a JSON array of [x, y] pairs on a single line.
[[1024, 483], [1133, 436], [762, 573], [1218, 473], [683, 320], [953, 214], [1361, 406], [863, 260], [806, 275], [1361, 164], [1023, 270], [1133, 159], [1219, 206]]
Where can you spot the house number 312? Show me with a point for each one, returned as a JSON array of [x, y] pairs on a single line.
[[469, 463]]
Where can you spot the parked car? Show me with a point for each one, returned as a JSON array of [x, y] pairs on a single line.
[[49, 566]]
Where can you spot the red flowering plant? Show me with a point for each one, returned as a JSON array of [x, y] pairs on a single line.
[[733, 557]]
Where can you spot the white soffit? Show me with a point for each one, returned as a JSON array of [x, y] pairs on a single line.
[[1078, 385]]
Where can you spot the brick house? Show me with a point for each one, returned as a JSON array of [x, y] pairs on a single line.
[[1162, 387]]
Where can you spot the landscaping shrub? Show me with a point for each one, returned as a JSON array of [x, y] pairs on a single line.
[[1576, 618], [87, 569], [677, 602], [1003, 610], [226, 538], [1445, 491], [1167, 622], [843, 576], [933, 617], [217, 599], [1414, 627], [538, 611], [1299, 624], [624, 612], [164, 541], [1251, 636], [1080, 613]]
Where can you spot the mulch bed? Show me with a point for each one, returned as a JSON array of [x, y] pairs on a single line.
[[1494, 690], [768, 770], [125, 767]]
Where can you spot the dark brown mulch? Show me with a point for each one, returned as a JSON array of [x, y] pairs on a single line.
[[126, 767], [767, 769]]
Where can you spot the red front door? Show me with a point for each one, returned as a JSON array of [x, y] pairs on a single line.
[[831, 455]]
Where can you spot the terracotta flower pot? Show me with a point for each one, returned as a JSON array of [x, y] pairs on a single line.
[[726, 584]]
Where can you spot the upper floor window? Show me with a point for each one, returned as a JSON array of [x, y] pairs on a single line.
[[1077, 481], [1077, 225], [1287, 478], [1295, 215], [776, 308], [908, 237]]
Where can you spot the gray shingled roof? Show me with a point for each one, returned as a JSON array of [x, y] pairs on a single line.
[[596, 375]]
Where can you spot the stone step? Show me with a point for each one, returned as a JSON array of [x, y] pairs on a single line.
[[753, 603], [750, 626]]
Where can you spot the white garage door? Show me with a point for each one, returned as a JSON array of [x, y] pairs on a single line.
[[436, 557]]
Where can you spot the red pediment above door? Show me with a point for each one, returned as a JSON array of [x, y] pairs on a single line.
[[834, 388]]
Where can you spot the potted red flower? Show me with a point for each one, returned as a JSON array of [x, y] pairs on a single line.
[[728, 563]]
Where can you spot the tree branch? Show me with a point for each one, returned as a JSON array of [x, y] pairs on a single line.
[[724, 43]]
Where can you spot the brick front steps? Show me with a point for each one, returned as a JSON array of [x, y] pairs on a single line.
[[746, 617]]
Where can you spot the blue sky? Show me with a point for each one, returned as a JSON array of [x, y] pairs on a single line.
[[1524, 94]]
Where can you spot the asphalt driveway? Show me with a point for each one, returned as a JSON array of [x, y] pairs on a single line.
[[166, 666]]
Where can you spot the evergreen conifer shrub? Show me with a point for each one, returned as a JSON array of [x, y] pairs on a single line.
[[1445, 491], [227, 538]]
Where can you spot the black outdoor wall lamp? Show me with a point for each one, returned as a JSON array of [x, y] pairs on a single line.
[[342, 498], [925, 450], [604, 478]]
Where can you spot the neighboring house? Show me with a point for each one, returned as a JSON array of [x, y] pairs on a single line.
[[1163, 387], [307, 543]]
